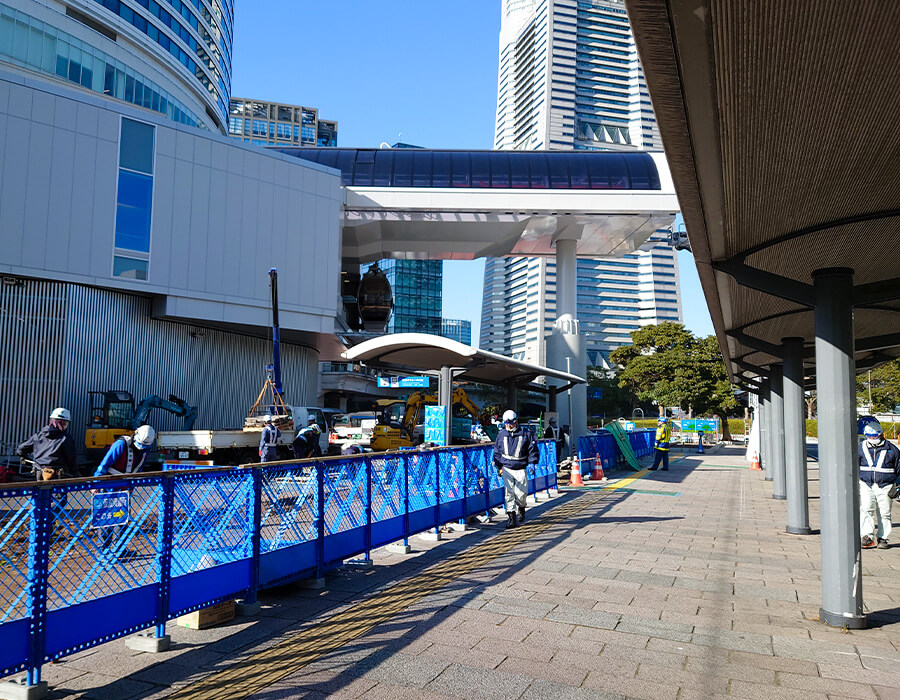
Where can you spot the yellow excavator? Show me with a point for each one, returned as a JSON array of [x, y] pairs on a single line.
[[397, 420]]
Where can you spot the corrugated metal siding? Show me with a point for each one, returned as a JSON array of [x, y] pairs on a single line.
[[66, 340], [32, 329]]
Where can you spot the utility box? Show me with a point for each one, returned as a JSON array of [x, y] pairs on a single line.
[[207, 617]]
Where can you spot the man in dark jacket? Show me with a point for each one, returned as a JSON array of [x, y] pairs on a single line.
[[306, 444], [52, 449], [514, 450], [879, 462]]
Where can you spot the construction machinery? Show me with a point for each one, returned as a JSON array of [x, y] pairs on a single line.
[[113, 414], [397, 420]]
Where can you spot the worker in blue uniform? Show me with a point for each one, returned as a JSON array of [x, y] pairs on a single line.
[[128, 453], [268, 441], [514, 450]]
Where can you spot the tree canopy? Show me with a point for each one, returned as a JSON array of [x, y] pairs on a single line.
[[885, 383], [669, 365]]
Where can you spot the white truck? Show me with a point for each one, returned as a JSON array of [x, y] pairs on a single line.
[[204, 448]]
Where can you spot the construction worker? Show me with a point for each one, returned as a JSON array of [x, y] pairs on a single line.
[[879, 463], [661, 446], [268, 440], [51, 448], [306, 444], [128, 453], [514, 450]]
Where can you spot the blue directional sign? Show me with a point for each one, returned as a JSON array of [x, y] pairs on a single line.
[[108, 509], [434, 425], [403, 382]]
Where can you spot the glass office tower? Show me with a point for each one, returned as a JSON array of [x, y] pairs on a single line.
[[273, 124], [570, 78], [174, 62]]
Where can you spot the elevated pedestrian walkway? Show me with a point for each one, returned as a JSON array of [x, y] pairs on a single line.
[[680, 584]]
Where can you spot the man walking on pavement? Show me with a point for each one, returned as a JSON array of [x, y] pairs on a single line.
[[268, 440], [661, 446], [514, 450], [52, 449], [879, 462]]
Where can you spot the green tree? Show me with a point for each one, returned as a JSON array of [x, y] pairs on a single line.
[[616, 400], [885, 384], [669, 365]]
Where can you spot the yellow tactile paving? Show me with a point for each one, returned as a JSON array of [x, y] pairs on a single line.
[[271, 665]]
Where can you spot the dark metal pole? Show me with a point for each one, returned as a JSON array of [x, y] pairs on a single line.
[[796, 486], [842, 601], [276, 338]]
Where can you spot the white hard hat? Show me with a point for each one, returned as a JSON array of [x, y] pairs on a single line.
[[144, 437], [267, 418], [509, 416], [315, 428], [61, 414]]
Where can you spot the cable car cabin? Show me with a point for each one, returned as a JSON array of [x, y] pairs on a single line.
[[375, 299], [111, 416]]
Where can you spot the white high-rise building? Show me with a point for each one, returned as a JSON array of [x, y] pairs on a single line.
[[570, 78]]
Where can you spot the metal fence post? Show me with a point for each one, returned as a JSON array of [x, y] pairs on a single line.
[[437, 492], [320, 522], [368, 532], [164, 536], [255, 535], [465, 482], [39, 557], [405, 461]]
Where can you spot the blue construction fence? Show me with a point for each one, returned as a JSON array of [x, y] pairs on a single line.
[[85, 562], [602, 444]]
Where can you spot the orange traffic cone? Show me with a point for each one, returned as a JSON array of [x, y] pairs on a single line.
[[598, 469], [575, 474], [754, 464]]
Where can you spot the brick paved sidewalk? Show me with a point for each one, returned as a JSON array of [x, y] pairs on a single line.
[[682, 586]]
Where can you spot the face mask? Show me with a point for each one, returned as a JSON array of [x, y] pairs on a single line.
[[875, 441]]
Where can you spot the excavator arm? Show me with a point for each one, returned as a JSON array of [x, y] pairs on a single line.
[[173, 405]]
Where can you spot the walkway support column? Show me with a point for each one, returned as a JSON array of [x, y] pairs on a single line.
[[445, 397], [566, 340], [765, 429], [776, 437], [796, 485], [842, 601]]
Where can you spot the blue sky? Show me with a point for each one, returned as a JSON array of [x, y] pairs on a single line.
[[416, 71]]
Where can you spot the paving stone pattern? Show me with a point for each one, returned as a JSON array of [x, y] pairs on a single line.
[[641, 596]]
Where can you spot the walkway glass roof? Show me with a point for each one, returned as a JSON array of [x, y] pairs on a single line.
[[414, 167]]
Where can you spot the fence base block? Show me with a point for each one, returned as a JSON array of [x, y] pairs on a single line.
[[457, 527], [430, 536], [398, 548], [149, 643], [243, 609], [19, 690], [313, 583], [359, 563]]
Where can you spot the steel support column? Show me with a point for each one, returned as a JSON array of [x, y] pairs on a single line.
[[445, 397], [842, 601], [776, 436], [764, 430], [796, 485]]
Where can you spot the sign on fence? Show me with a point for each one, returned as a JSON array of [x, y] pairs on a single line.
[[403, 382], [434, 425], [108, 509]]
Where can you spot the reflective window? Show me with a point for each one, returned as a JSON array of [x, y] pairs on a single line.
[[461, 171], [540, 176], [440, 163], [500, 175], [520, 173], [136, 146], [133, 206], [134, 200], [403, 165], [381, 172], [578, 173], [421, 168], [129, 268], [559, 173]]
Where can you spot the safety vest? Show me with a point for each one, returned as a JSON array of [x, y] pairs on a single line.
[[663, 433], [270, 435], [125, 464], [516, 454], [872, 468]]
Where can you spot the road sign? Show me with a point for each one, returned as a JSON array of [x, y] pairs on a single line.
[[108, 509], [403, 382], [595, 393], [629, 426]]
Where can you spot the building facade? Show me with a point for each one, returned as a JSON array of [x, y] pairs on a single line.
[[135, 253], [570, 78], [273, 124], [457, 329], [173, 62]]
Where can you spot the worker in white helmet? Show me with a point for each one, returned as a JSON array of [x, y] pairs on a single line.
[[514, 450], [52, 449], [128, 453], [268, 441]]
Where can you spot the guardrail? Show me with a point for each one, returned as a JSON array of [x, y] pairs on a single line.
[[602, 444], [86, 561]]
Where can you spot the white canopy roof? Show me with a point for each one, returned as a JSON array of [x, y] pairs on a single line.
[[420, 352]]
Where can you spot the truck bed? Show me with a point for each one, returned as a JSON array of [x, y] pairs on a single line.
[[214, 439]]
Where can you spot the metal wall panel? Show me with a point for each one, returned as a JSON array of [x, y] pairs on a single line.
[[64, 340], [32, 329]]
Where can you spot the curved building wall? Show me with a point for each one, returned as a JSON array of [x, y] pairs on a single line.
[[171, 57], [67, 339]]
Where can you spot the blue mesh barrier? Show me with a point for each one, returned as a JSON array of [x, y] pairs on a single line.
[[604, 445], [83, 563]]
